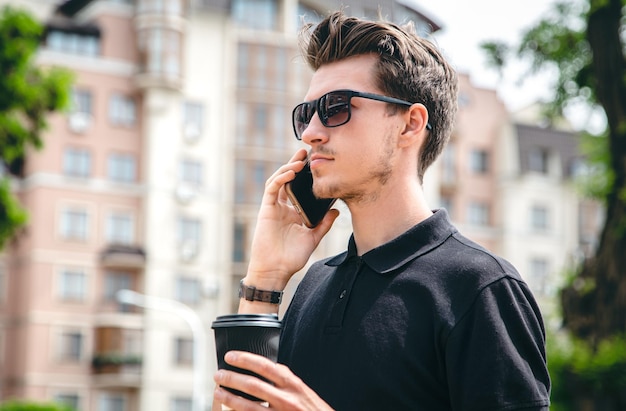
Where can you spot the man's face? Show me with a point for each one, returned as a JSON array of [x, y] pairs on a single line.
[[354, 160]]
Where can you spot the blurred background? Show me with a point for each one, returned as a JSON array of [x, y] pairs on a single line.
[[151, 179]]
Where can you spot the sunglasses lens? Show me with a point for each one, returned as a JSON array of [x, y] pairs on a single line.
[[335, 109], [301, 118]]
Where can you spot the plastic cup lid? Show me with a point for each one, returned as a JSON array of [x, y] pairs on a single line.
[[247, 320]]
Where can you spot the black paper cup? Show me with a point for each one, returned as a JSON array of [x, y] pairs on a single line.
[[255, 333]]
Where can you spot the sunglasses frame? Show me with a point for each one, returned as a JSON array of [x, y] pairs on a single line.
[[316, 104]]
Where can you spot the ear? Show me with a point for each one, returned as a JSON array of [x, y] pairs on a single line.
[[415, 130]]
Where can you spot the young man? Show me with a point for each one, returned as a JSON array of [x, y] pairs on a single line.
[[413, 316]]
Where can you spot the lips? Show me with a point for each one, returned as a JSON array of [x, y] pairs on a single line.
[[317, 159]]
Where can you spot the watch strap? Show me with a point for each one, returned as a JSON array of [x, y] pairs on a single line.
[[251, 293]]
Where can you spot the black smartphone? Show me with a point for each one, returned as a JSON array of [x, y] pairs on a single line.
[[300, 193]]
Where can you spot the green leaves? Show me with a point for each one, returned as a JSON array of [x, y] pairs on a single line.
[[28, 93], [580, 372], [12, 216], [31, 406]]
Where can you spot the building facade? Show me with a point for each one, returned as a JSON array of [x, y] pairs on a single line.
[[508, 181], [150, 183]]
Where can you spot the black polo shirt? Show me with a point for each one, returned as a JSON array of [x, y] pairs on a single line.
[[429, 321]]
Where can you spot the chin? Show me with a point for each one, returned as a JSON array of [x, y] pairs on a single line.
[[324, 192]]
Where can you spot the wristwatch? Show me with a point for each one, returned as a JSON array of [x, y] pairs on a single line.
[[250, 293]]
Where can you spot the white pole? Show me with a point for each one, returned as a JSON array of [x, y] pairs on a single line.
[[197, 330]]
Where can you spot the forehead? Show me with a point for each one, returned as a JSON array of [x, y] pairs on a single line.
[[354, 73]]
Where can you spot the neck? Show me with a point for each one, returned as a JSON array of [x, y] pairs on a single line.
[[393, 211]]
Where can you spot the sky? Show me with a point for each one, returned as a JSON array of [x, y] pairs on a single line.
[[468, 23]]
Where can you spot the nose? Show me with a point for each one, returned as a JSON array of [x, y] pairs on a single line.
[[316, 132]]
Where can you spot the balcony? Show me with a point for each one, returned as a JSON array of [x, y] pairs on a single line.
[[123, 256], [160, 28], [117, 361]]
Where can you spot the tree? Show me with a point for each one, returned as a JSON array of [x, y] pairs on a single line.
[[28, 93], [583, 39]]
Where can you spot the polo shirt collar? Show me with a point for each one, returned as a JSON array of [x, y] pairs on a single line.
[[418, 240]]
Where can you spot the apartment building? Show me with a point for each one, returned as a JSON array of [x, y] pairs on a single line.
[[151, 183], [508, 182]]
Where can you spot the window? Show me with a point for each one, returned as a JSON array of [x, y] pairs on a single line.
[[189, 237], [120, 229], [71, 346], [263, 66], [80, 119], [74, 224], [278, 129], [72, 285], [538, 276], [122, 168], [189, 229], [191, 172], [188, 290], [74, 43], [115, 281], [112, 402], [262, 125], [77, 162], [538, 160], [81, 101], [539, 218], [448, 163], [250, 179], [183, 354], [163, 6], [239, 240], [255, 14], [478, 214], [307, 15], [181, 404], [259, 175], [243, 65], [447, 204], [162, 48], [479, 161], [68, 399], [122, 110], [192, 120]]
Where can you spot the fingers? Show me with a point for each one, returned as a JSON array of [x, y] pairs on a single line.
[[245, 383], [253, 362], [325, 225], [277, 393], [234, 402], [276, 373], [287, 393], [299, 155], [283, 175]]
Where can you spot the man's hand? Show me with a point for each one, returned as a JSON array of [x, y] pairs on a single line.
[[288, 393], [282, 244]]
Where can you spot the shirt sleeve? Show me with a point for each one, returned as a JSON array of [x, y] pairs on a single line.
[[495, 354]]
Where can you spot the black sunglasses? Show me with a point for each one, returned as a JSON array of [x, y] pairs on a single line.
[[334, 109]]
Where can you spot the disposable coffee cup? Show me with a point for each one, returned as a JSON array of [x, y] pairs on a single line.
[[255, 333]]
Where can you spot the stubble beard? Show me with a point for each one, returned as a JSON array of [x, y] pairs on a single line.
[[367, 188]]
